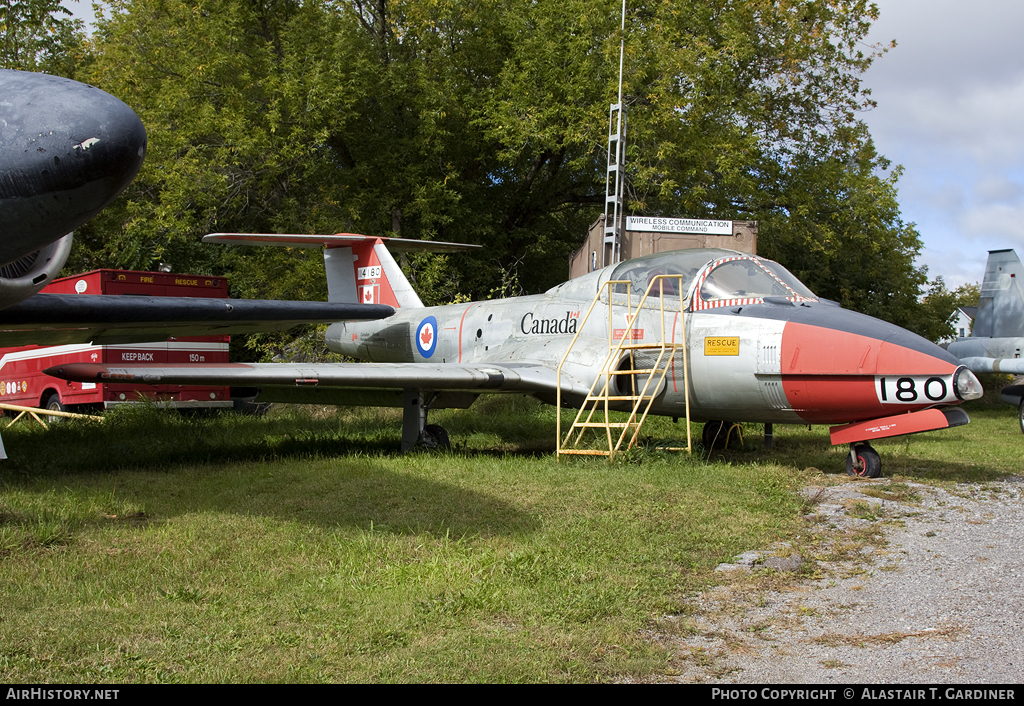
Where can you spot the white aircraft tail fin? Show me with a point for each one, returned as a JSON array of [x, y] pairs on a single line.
[[360, 268], [1001, 306]]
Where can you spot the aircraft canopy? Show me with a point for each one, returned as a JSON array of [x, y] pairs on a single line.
[[722, 276], [750, 278]]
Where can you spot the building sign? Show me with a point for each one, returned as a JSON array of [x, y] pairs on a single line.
[[678, 225]]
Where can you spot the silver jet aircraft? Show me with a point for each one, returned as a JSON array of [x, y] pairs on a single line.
[[759, 347]]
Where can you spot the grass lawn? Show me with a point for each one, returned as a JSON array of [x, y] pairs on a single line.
[[302, 547]]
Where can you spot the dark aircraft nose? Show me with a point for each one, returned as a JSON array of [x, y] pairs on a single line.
[[66, 151]]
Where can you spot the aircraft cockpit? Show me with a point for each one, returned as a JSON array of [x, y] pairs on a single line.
[[681, 266], [712, 277], [746, 280]]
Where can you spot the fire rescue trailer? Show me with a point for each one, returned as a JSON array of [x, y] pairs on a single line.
[[22, 381]]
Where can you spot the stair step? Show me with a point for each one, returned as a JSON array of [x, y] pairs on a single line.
[[614, 398]]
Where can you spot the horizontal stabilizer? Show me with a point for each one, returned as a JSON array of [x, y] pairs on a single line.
[[61, 319], [338, 240]]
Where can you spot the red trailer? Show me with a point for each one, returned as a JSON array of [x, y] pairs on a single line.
[[22, 381]]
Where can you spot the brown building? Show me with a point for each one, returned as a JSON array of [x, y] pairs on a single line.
[[646, 235]]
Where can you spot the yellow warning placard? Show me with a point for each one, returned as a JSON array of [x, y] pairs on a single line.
[[722, 345]]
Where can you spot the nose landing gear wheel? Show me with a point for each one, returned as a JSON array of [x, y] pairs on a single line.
[[868, 464]]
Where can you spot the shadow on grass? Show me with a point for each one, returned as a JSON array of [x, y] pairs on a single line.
[[300, 466], [149, 438], [145, 438], [369, 497], [517, 423], [365, 493]]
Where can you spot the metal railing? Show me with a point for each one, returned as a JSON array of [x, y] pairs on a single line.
[[34, 412], [602, 399]]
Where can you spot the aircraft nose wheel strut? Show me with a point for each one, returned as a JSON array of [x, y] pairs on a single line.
[[863, 461]]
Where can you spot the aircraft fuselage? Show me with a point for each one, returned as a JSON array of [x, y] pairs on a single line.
[[783, 362]]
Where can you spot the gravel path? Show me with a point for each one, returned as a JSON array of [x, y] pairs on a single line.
[[940, 602]]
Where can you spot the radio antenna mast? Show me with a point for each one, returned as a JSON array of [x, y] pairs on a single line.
[[612, 251]]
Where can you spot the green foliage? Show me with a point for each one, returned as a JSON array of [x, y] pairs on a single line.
[[484, 121], [841, 233], [41, 35], [940, 304], [226, 146], [748, 111]]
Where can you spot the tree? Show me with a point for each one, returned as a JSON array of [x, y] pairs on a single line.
[[234, 136], [484, 121], [377, 118], [836, 224], [40, 35], [940, 305], [749, 111]]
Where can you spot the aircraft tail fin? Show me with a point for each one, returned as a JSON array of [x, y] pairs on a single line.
[[1001, 306], [360, 268], [367, 273]]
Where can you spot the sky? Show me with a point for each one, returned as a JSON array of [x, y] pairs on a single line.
[[950, 106]]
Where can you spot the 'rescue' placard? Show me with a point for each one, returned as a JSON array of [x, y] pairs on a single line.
[[722, 345]]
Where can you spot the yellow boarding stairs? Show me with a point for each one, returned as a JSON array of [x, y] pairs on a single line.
[[594, 414]]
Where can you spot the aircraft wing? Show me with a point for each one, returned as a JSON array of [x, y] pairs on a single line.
[[60, 319], [309, 382]]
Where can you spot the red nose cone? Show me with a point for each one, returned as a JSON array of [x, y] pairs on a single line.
[[862, 371]]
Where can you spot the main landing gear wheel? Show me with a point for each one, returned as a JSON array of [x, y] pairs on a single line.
[[1020, 415], [868, 463], [717, 434], [433, 437]]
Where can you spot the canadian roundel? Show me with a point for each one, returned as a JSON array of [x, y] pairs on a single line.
[[426, 337]]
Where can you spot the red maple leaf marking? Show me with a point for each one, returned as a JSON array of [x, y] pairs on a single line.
[[367, 294], [425, 336]]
